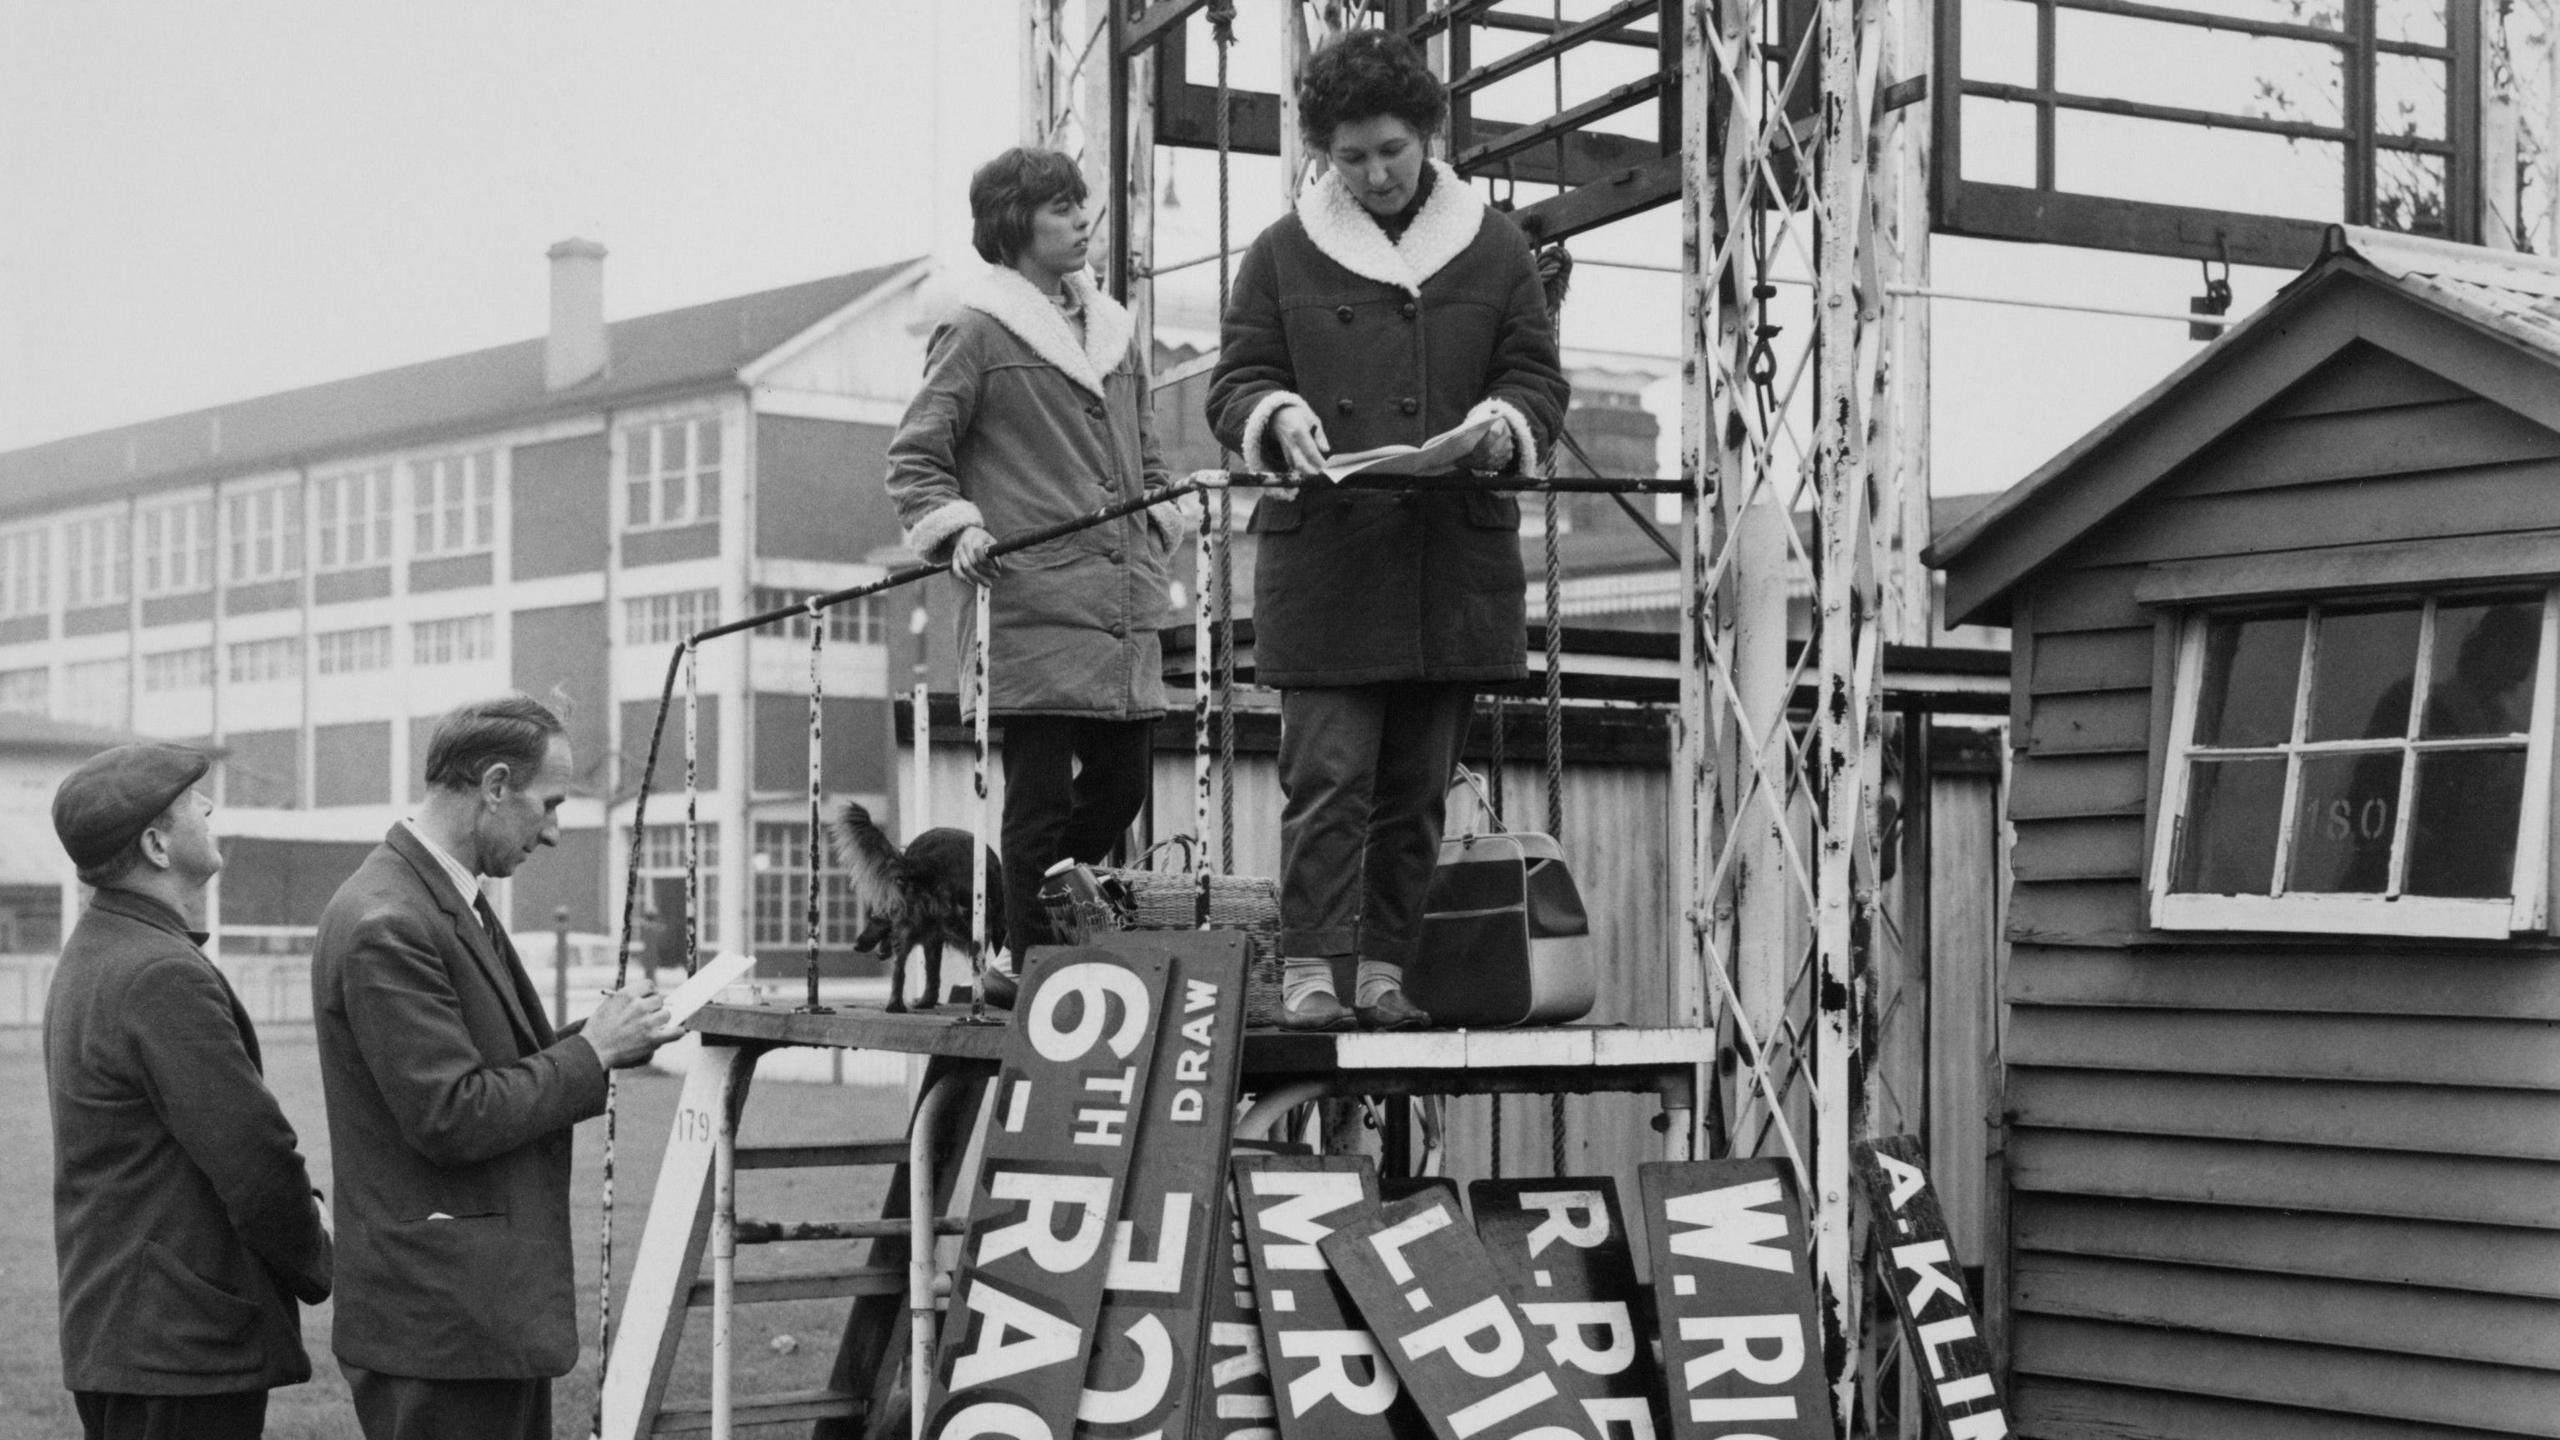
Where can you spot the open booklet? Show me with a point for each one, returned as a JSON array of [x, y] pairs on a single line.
[[1439, 453]]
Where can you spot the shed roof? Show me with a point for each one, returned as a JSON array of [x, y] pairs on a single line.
[[651, 355], [2488, 320]]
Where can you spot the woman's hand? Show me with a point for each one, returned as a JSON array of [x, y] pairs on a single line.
[[1300, 436], [1492, 453], [970, 560]]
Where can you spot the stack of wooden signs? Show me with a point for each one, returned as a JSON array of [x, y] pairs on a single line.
[[1111, 1287]]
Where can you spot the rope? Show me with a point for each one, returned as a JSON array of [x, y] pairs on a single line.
[[692, 812], [817, 746], [1555, 765], [978, 822]]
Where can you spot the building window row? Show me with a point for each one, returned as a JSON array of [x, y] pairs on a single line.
[[852, 622], [26, 692], [98, 692], [257, 661], [264, 528], [352, 520], [347, 652], [23, 573], [661, 881], [190, 669], [666, 619], [671, 473], [97, 561], [452, 642], [455, 503], [177, 547]]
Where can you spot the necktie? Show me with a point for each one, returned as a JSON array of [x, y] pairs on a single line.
[[489, 922]]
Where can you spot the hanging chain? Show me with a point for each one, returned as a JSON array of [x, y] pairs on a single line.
[[1222, 27], [817, 750], [692, 821]]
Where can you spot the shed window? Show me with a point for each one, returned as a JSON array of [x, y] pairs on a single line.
[[2378, 766]]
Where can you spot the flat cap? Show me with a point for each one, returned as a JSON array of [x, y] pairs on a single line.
[[115, 796]]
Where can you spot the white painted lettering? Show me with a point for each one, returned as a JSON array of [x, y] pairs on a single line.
[[1733, 1355], [1568, 1320], [1101, 1127], [1088, 1196], [1747, 1407], [1390, 1242], [1117, 1089], [1482, 1339], [1046, 1340], [997, 1417], [1198, 995], [1093, 985], [1139, 1397], [1937, 1335], [1986, 1426], [1187, 1108], [1633, 1411], [1502, 1405], [1330, 1377], [1312, 1195], [1191, 1067], [1575, 1217], [1907, 1179], [1731, 1227], [1246, 1341], [1163, 1274], [1923, 1259]]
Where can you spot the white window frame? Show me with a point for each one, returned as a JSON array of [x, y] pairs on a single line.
[[453, 640], [454, 503], [287, 648], [357, 651], [261, 533], [82, 700], [2416, 916], [354, 515], [669, 616], [174, 551], [662, 858], [852, 622], [187, 668], [97, 561], [26, 571], [778, 844], [27, 690], [673, 487]]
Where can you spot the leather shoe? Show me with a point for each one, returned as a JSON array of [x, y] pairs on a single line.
[[1393, 1012], [1316, 1010]]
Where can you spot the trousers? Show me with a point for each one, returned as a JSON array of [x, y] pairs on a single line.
[[1364, 774], [106, 1415], [406, 1407], [1071, 787]]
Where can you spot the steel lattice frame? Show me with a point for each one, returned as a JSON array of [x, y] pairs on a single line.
[[1788, 409]]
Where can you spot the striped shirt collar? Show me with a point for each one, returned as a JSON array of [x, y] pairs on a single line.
[[465, 884]]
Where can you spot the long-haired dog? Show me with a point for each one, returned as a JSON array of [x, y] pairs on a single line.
[[916, 897]]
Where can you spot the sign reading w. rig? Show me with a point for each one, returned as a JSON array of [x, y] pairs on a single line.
[[1733, 1286], [1928, 1291], [1038, 1248]]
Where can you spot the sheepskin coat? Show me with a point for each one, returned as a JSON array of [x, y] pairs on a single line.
[[1388, 342], [1022, 423]]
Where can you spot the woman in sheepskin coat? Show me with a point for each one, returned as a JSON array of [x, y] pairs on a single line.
[[1392, 306], [1034, 411]]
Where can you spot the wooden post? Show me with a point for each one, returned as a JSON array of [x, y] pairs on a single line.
[[560, 965]]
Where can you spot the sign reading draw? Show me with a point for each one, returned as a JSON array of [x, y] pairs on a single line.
[[1733, 1289], [1167, 1250], [1033, 1263], [1928, 1291]]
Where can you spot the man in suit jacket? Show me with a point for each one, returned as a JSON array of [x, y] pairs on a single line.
[[185, 1225], [451, 1099]]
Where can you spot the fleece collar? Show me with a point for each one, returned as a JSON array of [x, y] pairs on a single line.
[[1451, 216], [1013, 302]]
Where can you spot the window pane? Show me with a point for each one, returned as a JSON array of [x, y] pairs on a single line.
[[2175, 163], [1999, 141], [2343, 822], [2199, 69], [2228, 839], [2360, 688], [2481, 681], [2419, 22], [2409, 97], [2000, 41], [2249, 670], [2462, 841], [2409, 193]]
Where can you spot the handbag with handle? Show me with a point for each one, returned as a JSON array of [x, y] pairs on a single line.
[[1505, 940]]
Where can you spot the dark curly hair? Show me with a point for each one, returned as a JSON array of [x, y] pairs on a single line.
[[1008, 190], [1362, 74]]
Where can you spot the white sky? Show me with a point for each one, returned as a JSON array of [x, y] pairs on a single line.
[[206, 202]]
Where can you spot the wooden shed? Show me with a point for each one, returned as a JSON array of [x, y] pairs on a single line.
[[2283, 1064]]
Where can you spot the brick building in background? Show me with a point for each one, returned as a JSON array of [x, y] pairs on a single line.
[[307, 579]]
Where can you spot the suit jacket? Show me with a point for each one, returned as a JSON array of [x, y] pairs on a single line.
[[183, 1222], [450, 1105]]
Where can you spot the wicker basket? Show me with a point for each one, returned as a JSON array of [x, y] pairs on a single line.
[[1163, 897]]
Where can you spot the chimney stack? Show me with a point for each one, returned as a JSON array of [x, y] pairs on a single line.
[[574, 353]]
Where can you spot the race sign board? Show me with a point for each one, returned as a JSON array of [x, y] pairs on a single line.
[[1451, 1328], [1139, 1383], [1928, 1290], [1327, 1374], [1734, 1293], [1561, 1245], [1034, 1260], [1234, 1382]]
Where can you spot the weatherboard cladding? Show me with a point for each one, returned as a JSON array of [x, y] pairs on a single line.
[[2267, 1185], [653, 356]]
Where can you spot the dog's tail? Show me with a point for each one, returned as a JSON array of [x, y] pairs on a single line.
[[866, 854]]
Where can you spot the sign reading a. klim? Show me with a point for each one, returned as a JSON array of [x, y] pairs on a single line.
[[1032, 1266], [1928, 1291], [1733, 1288], [1139, 1385], [1561, 1245]]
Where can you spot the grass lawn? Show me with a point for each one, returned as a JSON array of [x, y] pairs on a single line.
[[786, 1346]]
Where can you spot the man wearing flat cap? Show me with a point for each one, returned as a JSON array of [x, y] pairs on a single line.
[[184, 1222]]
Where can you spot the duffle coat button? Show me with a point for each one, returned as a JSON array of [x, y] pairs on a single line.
[[1411, 309], [1343, 405], [1342, 313], [1409, 405]]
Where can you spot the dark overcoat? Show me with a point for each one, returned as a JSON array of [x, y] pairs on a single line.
[[184, 1224], [1021, 424], [1388, 343], [450, 1105]]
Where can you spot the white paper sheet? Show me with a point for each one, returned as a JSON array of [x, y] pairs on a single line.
[[719, 974], [1440, 453]]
